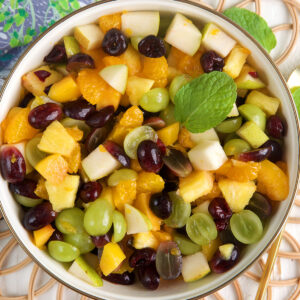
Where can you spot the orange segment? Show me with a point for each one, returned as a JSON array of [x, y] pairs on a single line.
[[124, 193], [74, 160], [110, 21], [41, 190], [75, 133], [112, 60], [97, 55], [133, 117]]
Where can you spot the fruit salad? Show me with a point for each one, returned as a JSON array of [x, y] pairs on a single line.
[[143, 152]]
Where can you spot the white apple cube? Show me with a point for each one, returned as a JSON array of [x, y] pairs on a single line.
[[234, 112], [217, 40], [99, 163], [183, 35], [89, 36], [140, 23], [209, 135], [116, 76], [207, 155]]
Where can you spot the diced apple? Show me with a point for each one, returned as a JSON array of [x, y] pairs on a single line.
[[137, 87], [217, 40], [208, 135], [89, 36], [99, 163], [248, 80], [140, 23], [234, 112], [136, 221], [145, 239], [116, 76], [253, 113], [183, 35], [207, 155]]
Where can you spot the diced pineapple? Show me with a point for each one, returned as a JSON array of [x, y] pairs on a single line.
[[145, 239], [132, 59], [42, 235], [137, 87], [197, 184], [89, 36], [237, 194], [162, 236], [169, 134]]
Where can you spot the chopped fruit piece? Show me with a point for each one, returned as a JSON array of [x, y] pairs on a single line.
[[252, 134], [74, 160], [184, 138], [214, 193], [283, 166], [173, 72], [191, 64], [110, 21], [119, 133], [99, 163], [41, 190], [253, 113], [53, 168], [89, 36], [149, 182], [112, 60], [234, 112], [63, 195], [162, 236], [111, 258], [42, 235], [272, 181], [210, 249], [133, 117], [97, 55], [107, 194], [75, 133], [237, 194], [169, 134], [135, 165], [197, 184], [247, 81], [64, 90], [136, 221], [268, 104], [124, 193], [183, 35], [235, 61], [71, 46], [56, 139], [34, 85], [145, 239], [132, 59], [226, 250], [201, 208], [209, 135]]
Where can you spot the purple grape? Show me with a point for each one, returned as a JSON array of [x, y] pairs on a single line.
[[152, 46], [114, 42], [79, 109], [142, 257], [90, 191], [276, 150], [256, 155], [95, 138], [24, 188], [117, 152], [219, 264], [80, 61], [275, 127], [260, 205], [149, 277], [101, 118], [56, 236], [56, 55], [125, 278], [101, 240], [155, 122], [161, 205]]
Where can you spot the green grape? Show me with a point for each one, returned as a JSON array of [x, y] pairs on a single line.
[[69, 122], [98, 217], [26, 201], [246, 227], [120, 175], [236, 146], [168, 114], [186, 246], [201, 228], [230, 125], [155, 100], [62, 251], [32, 152], [71, 45], [135, 42], [82, 241], [135, 137], [70, 221], [120, 227], [181, 210], [177, 83]]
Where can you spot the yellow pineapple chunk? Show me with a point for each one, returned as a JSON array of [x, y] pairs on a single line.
[[133, 60], [237, 194], [42, 235], [169, 134], [56, 139], [145, 239], [197, 184]]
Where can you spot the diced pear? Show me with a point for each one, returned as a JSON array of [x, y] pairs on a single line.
[[183, 35], [99, 163], [247, 81], [137, 87], [140, 23], [116, 76], [208, 135], [136, 221], [89, 36], [207, 155], [145, 239], [234, 112], [217, 40]]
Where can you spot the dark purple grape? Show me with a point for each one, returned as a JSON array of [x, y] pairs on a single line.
[[155, 122], [39, 216], [161, 205], [219, 209], [80, 61], [211, 61], [171, 186], [152, 46], [260, 205], [275, 127], [162, 147], [12, 164], [79, 109], [24, 188], [115, 42], [255, 155], [43, 115], [42, 75], [56, 236], [149, 156], [276, 150], [95, 138], [125, 278], [101, 240], [219, 264], [142, 257], [101, 118], [117, 152], [149, 277], [56, 55], [24, 102], [167, 174], [90, 191]]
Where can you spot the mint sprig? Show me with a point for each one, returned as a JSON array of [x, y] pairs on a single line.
[[296, 96], [205, 102], [254, 24]]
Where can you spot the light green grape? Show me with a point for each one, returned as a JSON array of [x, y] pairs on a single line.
[[230, 125], [33, 154], [135, 42], [120, 227], [230, 136], [177, 83], [120, 175], [236, 146], [168, 114], [69, 122], [62, 251], [26, 201], [155, 100], [186, 246], [82, 241]]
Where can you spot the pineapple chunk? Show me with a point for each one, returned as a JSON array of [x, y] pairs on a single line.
[[42, 235], [197, 184], [169, 134], [89, 36], [56, 139], [237, 194], [63, 195], [137, 87], [145, 239]]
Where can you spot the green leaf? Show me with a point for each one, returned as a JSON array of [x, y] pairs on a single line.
[[15, 34], [7, 26], [296, 96], [27, 39], [23, 12], [2, 17], [75, 4], [14, 42], [19, 20], [205, 102], [64, 4], [254, 24], [13, 4]]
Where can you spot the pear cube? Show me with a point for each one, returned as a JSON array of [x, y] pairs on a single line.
[[89, 36]]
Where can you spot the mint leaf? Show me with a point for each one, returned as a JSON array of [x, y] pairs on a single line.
[[254, 24], [296, 96], [205, 101]]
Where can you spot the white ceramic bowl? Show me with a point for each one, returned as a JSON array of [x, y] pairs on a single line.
[[200, 15]]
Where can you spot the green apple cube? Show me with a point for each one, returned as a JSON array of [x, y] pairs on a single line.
[[226, 250], [253, 113], [183, 35], [234, 112], [89, 36], [252, 134], [140, 23], [71, 46], [268, 104], [247, 81], [136, 221], [217, 40], [209, 135]]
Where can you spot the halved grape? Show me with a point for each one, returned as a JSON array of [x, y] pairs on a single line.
[[70, 221], [168, 114], [120, 175], [230, 125], [69, 122], [26, 201], [155, 100], [186, 246], [33, 154], [246, 227], [62, 251], [120, 226], [82, 241], [177, 83]]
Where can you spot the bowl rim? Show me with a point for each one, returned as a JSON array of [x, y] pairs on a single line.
[[267, 56]]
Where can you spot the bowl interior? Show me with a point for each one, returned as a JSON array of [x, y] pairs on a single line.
[[173, 289]]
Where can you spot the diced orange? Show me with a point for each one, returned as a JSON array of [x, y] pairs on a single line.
[[191, 64], [160, 83], [74, 160], [210, 249], [148, 182], [108, 22], [112, 60], [118, 133], [184, 138], [174, 57], [162, 236], [135, 165], [125, 101], [42, 235], [53, 168], [133, 117], [169, 134], [41, 190], [97, 55], [124, 193], [75, 133]]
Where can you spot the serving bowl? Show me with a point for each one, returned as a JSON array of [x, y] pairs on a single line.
[[33, 57]]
